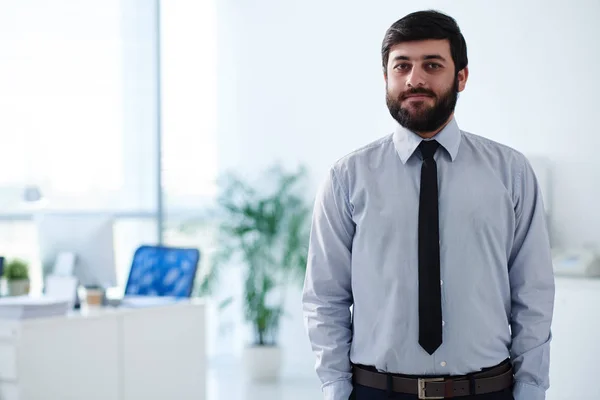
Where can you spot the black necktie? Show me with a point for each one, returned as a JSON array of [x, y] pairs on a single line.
[[430, 298]]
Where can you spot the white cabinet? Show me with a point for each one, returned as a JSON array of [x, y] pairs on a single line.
[[177, 346], [109, 354], [575, 348]]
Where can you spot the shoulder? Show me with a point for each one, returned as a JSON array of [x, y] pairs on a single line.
[[364, 157], [507, 163], [358, 165], [501, 154]]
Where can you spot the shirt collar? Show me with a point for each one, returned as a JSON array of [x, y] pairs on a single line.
[[406, 141]]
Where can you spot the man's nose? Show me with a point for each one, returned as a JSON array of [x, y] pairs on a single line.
[[415, 79]]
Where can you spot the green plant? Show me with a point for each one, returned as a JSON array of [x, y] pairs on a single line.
[[267, 231], [16, 270]]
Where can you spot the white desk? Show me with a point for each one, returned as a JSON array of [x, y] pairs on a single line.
[[106, 354]]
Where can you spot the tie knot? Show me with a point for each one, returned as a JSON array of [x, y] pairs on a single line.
[[428, 148]]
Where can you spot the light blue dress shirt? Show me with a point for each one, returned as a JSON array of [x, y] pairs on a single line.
[[360, 298]]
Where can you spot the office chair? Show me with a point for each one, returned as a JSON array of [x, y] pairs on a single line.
[[162, 271]]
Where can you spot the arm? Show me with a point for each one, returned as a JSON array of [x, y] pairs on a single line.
[[532, 290], [327, 294]]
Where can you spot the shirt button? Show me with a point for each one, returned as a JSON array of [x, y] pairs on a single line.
[[443, 323], [443, 363], [441, 282]]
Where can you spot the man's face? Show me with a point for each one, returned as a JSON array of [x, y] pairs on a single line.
[[422, 86]]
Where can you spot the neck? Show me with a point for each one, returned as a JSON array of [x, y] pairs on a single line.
[[428, 135]]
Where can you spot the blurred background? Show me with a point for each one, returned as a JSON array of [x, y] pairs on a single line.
[[122, 120]]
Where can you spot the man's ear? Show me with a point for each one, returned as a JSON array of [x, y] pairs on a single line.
[[463, 76]]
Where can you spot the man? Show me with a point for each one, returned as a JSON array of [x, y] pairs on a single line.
[[436, 238]]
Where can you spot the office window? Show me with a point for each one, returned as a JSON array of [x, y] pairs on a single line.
[[78, 119], [79, 116], [77, 104]]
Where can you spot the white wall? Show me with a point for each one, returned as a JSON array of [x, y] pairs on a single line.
[[300, 81]]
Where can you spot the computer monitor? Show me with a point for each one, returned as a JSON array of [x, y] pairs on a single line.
[[88, 237]]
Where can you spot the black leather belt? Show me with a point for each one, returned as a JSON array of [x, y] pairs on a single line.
[[491, 380]]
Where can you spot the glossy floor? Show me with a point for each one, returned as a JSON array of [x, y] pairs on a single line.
[[226, 381]]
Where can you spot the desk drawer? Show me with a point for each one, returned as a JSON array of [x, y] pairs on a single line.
[[8, 362]]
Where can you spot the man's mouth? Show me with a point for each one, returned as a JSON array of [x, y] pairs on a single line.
[[417, 97]]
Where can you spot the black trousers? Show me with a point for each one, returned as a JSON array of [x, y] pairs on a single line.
[[366, 393]]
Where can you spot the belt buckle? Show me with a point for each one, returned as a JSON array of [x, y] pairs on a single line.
[[423, 385]]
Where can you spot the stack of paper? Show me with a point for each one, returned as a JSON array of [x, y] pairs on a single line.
[[26, 307]]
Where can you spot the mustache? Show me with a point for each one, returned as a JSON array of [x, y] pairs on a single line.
[[417, 91]]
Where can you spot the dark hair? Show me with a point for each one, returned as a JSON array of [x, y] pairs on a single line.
[[423, 25]]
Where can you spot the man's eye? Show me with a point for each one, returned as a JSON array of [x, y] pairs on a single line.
[[433, 66], [403, 67]]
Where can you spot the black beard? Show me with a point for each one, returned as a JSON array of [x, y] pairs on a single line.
[[426, 119]]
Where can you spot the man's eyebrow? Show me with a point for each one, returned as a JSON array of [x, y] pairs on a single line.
[[434, 57], [425, 57]]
